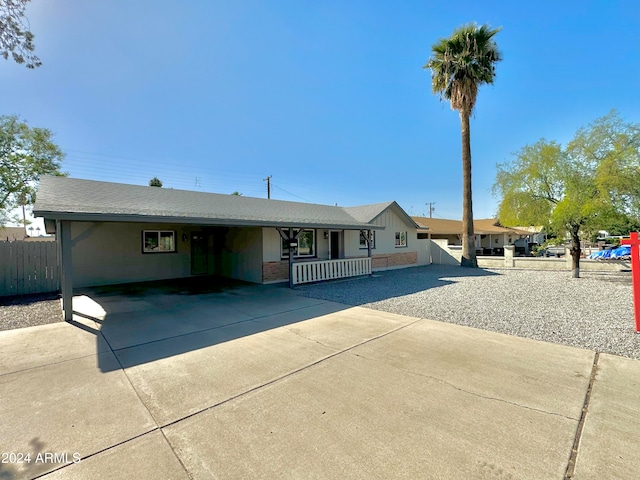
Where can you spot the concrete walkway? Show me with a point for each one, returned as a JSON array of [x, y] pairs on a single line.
[[257, 382]]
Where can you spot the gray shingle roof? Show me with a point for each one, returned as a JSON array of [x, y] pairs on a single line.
[[75, 199], [368, 213]]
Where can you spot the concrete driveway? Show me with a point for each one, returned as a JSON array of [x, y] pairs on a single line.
[[257, 382]]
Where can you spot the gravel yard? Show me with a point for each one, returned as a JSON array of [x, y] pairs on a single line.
[[593, 312], [29, 310]]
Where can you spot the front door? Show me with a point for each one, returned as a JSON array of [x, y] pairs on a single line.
[[199, 255], [334, 245]]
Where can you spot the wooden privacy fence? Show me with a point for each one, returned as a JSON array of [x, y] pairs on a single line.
[[28, 267]]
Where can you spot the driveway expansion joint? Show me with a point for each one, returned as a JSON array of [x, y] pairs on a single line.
[[573, 458], [49, 364], [110, 447], [282, 377]]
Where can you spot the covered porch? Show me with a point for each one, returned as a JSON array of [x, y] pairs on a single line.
[[333, 264]]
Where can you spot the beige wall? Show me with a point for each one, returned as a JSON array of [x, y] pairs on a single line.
[[452, 239], [109, 253], [441, 254], [270, 244], [241, 257], [106, 253], [424, 251]]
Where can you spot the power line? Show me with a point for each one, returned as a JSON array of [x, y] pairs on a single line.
[[289, 193], [180, 174]]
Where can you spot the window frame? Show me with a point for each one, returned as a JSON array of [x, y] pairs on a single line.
[[398, 239], [314, 245], [363, 243], [159, 234]]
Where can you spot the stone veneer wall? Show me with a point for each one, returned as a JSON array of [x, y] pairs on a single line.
[[275, 271], [394, 259]]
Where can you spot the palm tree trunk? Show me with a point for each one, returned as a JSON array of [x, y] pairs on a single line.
[[468, 238]]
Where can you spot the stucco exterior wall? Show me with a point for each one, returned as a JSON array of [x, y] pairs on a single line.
[[106, 253], [241, 256], [424, 251], [451, 239], [109, 253], [271, 244], [322, 244], [441, 254]]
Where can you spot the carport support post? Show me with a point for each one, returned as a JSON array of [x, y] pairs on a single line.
[[290, 258], [366, 234], [289, 238], [66, 283]]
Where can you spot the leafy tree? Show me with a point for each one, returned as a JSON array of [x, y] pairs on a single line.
[[237, 193], [155, 182], [459, 65], [575, 189], [621, 225], [16, 40], [611, 147], [25, 154]]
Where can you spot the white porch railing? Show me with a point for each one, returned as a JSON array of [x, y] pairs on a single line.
[[305, 272]]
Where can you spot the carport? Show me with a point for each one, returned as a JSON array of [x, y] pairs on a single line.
[[112, 233]]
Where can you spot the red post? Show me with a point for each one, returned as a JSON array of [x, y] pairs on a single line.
[[634, 241]]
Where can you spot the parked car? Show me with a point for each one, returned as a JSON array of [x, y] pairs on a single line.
[[554, 251]]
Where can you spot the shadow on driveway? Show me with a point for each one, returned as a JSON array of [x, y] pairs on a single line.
[[378, 287], [149, 321], [145, 322]]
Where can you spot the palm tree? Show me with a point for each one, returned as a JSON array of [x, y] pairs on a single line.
[[459, 65]]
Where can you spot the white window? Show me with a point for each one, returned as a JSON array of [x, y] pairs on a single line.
[[158, 241], [363, 243], [306, 245], [401, 239]]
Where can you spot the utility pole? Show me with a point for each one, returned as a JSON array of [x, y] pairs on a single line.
[[431, 208], [268, 180]]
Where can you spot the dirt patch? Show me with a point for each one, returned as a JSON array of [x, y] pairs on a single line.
[[30, 310]]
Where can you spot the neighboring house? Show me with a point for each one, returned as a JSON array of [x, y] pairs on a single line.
[[490, 238], [11, 234], [115, 233], [536, 235]]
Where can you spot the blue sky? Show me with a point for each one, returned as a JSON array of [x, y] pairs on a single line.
[[330, 97]]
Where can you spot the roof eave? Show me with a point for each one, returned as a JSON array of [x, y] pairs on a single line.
[[231, 222]]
